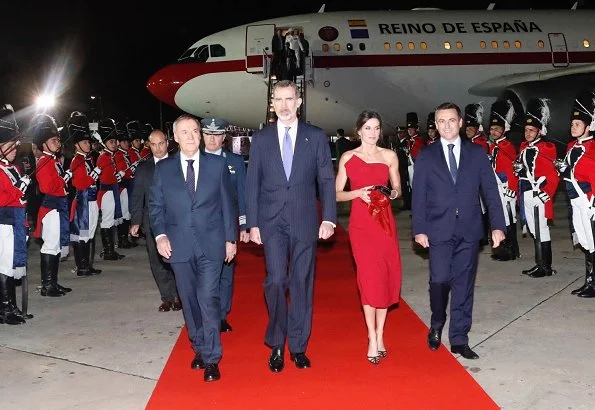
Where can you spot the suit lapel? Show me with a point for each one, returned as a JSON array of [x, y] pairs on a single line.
[[300, 147], [464, 158], [443, 162], [276, 154]]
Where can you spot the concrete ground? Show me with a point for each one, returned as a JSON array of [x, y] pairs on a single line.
[[103, 346]]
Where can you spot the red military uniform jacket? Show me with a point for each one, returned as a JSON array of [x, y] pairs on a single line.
[[10, 195], [414, 144], [479, 139], [134, 155], [81, 166], [49, 175], [504, 153], [123, 163], [542, 164], [145, 152], [582, 163], [107, 163]]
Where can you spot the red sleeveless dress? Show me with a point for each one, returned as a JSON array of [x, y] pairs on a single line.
[[374, 240]]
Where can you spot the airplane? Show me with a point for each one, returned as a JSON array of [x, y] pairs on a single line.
[[393, 62]]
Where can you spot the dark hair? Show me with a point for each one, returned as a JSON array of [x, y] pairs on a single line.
[[449, 106], [341, 132], [285, 84], [364, 117]]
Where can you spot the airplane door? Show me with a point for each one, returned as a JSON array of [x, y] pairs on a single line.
[[559, 49], [258, 43]]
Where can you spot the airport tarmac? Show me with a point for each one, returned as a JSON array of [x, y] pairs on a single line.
[[103, 345]]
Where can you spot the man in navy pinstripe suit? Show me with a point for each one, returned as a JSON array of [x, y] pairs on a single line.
[[289, 160]]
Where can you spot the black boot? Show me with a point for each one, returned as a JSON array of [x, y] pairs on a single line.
[[545, 267], [12, 290], [588, 268], [107, 238], [92, 257], [514, 241], [47, 287], [81, 256], [7, 314], [123, 242], [589, 291], [55, 268], [536, 267]]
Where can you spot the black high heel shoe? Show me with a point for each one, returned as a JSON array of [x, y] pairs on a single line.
[[382, 354], [374, 359]]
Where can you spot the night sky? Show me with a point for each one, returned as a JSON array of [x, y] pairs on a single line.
[[111, 48]]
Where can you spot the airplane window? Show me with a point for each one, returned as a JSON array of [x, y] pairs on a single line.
[[399, 46], [540, 44], [202, 54], [586, 44], [349, 47], [337, 47], [387, 46], [517, 44], [482, 44], [447, 45], [423, 45], [187, 54], [459, 44], [506, 44], [411, 46], [494, 44], [362, 46], [217, 50], [325, 47]]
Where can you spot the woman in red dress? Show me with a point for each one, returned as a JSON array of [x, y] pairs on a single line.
[[372, 230]]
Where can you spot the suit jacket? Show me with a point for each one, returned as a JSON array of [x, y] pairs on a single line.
[[269, 195], [442, 208], [205, 220], [139, 201], [237, 173]]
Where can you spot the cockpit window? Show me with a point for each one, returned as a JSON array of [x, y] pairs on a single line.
[[202, 54], [217, 50], [187, 54]]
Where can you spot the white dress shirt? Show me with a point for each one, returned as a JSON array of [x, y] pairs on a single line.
[[456, 150], [159, 159], [218, 152], [196, 158], [281, 135]]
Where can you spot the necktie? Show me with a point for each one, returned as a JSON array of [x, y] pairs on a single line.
[[190, 177], [452, 162], [287, 153]]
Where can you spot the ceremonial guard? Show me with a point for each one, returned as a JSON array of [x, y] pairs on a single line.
[[502, 154], [52, 220], [578, 171], [84, 214], [108, 197], [402, 151], [136, 134], [13, 222], [214, 131], [474, 125], [433, 134], [126, 184], [538, 182], [414, 142]]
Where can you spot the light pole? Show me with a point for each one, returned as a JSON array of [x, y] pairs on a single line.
[[98, 97]]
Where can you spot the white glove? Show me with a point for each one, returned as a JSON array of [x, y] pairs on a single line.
[[543, 196], [517, 167], [561, 165], [119, 176], [23, 183], [67, 176], [509, 193], [574, 239], [95, 173], [133, 167]]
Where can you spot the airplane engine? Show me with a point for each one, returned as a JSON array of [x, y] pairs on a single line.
[[560, 92]]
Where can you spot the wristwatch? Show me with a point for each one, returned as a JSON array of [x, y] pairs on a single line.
[[232, 242]]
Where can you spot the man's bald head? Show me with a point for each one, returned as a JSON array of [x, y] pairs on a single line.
[[158, 143]]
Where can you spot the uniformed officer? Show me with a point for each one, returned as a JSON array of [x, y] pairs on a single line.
[[13, 230], [578, 171], [108, 197], [433, 134], [53, 218], [538, 182], [85, 212], [126, 184], [474, 125], [502, 154], [145, 151], [414, 142], [214, 132]]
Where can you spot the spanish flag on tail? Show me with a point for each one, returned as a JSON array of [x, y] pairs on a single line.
[[358, 28]]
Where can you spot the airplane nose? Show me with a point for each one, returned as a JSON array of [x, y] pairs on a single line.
[[165, 83]]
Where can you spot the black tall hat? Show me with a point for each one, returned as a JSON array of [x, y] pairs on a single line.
[[121, 132], [538, 114], [107, 129], [474, 115], [134, 130], [412, 121], [145, 131], [502, 113], [78, 127], [431, 120], [9, 128], [584, 108], [42, 128]]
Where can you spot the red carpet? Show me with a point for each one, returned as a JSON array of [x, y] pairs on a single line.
[[411, 377]]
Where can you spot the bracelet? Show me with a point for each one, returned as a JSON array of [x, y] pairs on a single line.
[[396, 194]]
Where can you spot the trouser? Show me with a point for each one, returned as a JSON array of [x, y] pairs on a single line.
[[530, 202], [162, 272], [226, 287], [581, 221]]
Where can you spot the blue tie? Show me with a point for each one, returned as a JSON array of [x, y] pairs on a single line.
[[190, 177], [287, 153], [452, 162]]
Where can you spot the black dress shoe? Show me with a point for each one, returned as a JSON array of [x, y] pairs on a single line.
[[276, 360], [225, 327], [165, 307], [465, 351], [300, 359], [212, 372], [197, 362], [177, 304], [434, 339]]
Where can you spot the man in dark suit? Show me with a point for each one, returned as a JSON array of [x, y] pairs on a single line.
[[278, 49], [288, 161], [194, 219], [213, 131], [139, 211], [449, 178]]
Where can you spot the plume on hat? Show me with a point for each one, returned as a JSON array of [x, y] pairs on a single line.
[[544, 111]]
